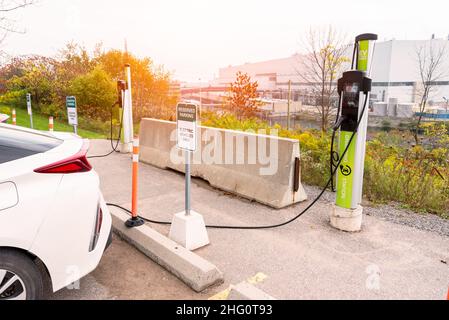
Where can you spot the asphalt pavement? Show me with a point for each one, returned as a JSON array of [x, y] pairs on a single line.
[[307, 259]]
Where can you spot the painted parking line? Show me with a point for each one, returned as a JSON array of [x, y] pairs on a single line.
[[223, 295]]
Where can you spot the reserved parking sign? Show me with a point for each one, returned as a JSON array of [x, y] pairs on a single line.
[[72, 114], [186, 126]]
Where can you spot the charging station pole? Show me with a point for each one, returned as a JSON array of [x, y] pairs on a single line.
[[354, 89], [127, 126]]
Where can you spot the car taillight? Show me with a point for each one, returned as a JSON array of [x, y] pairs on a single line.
[[74, 164], [99, 221]]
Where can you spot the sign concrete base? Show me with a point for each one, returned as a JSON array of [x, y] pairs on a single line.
[[189, 231], [349, 220]]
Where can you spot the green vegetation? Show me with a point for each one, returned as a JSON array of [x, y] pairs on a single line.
[[41, 123], [91, 78], [395, 168]]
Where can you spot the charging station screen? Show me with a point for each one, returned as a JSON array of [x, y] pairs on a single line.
[[352, 88], [351, 95]]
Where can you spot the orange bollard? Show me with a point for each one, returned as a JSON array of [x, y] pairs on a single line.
[[14, 119], [50, 124], [135, 176], [447, 294], [135, 221]]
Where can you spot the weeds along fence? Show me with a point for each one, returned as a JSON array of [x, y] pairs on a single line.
[[415, 176]]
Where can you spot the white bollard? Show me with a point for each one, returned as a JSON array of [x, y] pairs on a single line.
[[50, 124]]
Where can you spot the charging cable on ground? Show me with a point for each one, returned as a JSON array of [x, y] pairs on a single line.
[[333, 172]]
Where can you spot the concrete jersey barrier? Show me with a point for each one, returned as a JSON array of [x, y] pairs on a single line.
[[258, 167]]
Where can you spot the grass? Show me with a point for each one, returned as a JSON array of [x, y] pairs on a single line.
[[40, 122]]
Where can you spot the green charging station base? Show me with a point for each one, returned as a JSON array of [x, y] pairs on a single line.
[[349, 220]]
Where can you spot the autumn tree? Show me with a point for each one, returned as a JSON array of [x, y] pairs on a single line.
[[95, 92], [243, 97], [34, 75], [430, 68], [150, 83], [90, 77], [320, 68], [71, 62]]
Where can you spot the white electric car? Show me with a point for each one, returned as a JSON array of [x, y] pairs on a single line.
[[54, 223]]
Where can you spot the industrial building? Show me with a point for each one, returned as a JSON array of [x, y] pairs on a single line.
[[395, 74]]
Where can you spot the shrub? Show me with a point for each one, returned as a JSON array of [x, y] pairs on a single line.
[[95, 93], [14, 99], [53, 110], [415, 176], [5, 110]]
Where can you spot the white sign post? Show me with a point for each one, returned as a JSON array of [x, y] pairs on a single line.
[[188, 227], [72, 114], [30, 111]]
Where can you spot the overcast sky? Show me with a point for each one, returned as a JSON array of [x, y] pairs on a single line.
[[194, 38]]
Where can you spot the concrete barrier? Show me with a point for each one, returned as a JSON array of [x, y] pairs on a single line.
[[258, 167], [198, 273]]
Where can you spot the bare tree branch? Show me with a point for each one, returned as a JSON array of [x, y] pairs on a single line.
[[321, 66], [8, 6], [7, 23], [429, 60]]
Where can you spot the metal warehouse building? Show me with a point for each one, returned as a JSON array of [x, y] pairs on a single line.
[[395, 73]]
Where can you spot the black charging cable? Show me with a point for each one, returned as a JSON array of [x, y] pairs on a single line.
[[114, 148], [333, 172]]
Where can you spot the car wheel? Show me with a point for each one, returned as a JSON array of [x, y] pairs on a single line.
[[20, 278]]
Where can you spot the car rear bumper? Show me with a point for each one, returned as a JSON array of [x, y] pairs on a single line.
[[71, 257]]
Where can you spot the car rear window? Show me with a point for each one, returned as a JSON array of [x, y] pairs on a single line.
[[16, 144]]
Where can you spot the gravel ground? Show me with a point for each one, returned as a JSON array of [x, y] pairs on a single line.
[[393, 213]]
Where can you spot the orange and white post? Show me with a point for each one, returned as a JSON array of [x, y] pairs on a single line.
[[135, 176], [135, 221], [50, 124], [14, 119]]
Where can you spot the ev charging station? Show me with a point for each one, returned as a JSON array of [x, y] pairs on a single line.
[[352, 121], [127, 135]]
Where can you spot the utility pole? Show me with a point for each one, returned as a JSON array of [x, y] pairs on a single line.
[[288, 105]]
